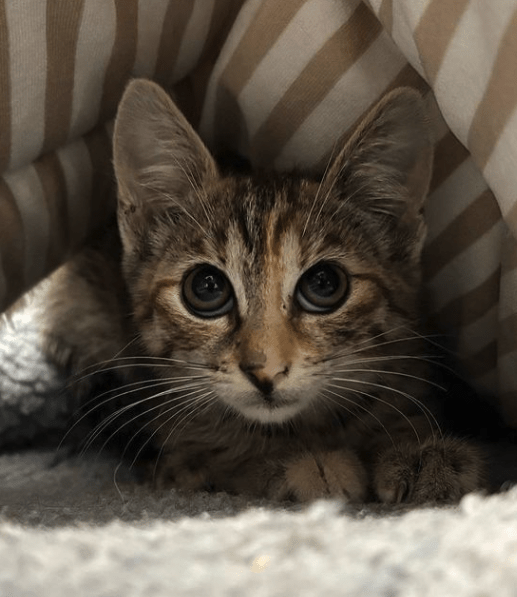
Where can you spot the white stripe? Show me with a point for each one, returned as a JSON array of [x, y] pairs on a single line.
[[452, 197], [237, 32], [501, 169], [343, 105], [307, 32], [26, 188], [94, 47], [194, 38], [26, 25], [77, 170], [469, 269], [151, 14], [468, 62]]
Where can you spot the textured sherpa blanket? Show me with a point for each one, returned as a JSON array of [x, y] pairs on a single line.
[[84, 527]]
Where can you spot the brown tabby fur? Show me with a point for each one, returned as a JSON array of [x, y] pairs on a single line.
[[269, 398]]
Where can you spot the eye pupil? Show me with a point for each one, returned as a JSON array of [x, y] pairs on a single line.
[[322, 288], [207, 292]]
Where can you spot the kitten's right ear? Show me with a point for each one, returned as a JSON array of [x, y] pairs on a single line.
[[160, 161]]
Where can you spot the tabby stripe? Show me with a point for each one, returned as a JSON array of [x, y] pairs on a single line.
[[5, 91], [434, 32], [174, 24], [63, 21], [27, 82], [499, 100], [53, 185], [470, 306], [93, 52], [148, 42], [388, 297], [26, 188], [122, 59], [103, 197], [75, 164], [314, 82], [449, 155], [477, 219], [12, 281]]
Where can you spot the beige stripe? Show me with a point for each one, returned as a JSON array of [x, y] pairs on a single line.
[[469, 269], [469, 307], [103, 199], [53, 185], [12, 247], [26, 189], [5, 92], [191, 91], [26, 21], [407, 77], [435, 31], [94, 46], [338, 54], [461, 233], [194, 38], [449, 154], [122, 59], [77, 170], [150, 18], [257, 39], [499, 100], [63, 20], [173, 29], [385, 15]]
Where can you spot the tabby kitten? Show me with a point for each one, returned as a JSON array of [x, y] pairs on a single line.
[[264, 330]]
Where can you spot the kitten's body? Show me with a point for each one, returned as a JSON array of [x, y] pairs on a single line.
[[278, 317]]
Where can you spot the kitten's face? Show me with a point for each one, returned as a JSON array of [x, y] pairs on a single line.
[[274, 287]]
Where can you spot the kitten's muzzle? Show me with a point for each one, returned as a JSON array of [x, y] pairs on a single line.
[[264, 380]]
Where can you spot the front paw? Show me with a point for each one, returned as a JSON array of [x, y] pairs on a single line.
[[324, 475], [435, 471]]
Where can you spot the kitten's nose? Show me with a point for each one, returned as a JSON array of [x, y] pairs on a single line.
[[264, 377]]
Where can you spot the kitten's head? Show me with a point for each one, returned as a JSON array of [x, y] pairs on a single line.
[[272, 283]]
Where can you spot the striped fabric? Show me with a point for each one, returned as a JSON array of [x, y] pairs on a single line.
[[282, 82]]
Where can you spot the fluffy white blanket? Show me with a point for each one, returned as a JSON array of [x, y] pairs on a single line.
[[68, 531], [84, 528]]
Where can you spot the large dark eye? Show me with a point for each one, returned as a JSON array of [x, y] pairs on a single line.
[[322, 288], [207, 292]]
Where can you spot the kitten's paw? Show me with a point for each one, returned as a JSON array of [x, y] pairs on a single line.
[[436, 471], [324, 475]]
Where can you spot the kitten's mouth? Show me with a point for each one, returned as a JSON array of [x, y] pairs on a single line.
[[270, 409]]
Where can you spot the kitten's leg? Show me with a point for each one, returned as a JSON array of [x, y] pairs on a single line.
[[435, 471], [323, 475]]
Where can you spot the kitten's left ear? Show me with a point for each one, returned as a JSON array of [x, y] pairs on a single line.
[[385, 168], [160, 161]]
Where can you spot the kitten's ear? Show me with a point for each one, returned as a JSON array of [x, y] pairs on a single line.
[[160, 162], [385, 167]]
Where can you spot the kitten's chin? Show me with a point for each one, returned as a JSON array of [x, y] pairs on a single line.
[[270, 413]]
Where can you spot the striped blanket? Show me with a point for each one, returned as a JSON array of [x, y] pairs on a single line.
[[280, 81]]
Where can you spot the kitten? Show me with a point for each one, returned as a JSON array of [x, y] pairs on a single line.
[[265, 329]]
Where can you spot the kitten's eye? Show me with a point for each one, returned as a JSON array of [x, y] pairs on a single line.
[[207, 292], [322, 288]]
